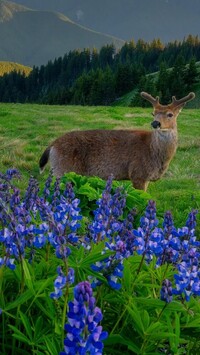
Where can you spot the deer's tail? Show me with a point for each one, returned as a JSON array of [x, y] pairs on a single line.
[[44, 159]]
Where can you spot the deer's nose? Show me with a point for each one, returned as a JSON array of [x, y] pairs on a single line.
[[155, 124]]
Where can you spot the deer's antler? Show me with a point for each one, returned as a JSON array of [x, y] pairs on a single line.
[[151, 99], [182, 101]]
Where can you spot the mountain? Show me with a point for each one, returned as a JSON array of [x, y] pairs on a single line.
[[168, 20], [33, 37]]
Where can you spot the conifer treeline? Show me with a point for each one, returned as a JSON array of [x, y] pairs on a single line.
[[100, 77]]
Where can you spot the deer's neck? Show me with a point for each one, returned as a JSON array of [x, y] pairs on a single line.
[[163, 148], [165, 140]]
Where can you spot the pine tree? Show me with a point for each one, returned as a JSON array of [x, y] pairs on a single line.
[[162, 83], [191, 75]]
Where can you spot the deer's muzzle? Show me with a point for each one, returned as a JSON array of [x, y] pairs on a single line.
[[155, 124]]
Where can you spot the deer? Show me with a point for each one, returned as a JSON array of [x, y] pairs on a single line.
[[137, 155]]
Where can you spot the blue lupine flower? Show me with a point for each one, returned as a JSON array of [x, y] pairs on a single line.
[[84, 334], [60, 220], [145, 242], [61, 281], [110, 208], [106, 225], [63, 217], [10, 263], [31, 194], [188, 281], [192, 221], [12, 173], [46, 191], [166, 293]]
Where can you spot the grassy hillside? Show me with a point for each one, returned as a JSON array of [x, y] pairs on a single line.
[[7, 67], [26, 130]]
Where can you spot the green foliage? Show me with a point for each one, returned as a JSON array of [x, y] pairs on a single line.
[[89, 190], [143, 323]]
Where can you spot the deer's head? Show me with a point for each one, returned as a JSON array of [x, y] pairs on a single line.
[[165, 115]]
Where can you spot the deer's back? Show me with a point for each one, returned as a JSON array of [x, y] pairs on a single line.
[[99, 152]]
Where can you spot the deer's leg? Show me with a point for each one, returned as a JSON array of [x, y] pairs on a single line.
[[140, 184]]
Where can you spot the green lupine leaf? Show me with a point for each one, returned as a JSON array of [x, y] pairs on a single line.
[[44, 309], [51, 345], [118, 339], [26, 296], [145, 319], [19, 335], [163, 335], [177, 330], [27, 325], [28, 277], [136, 318]]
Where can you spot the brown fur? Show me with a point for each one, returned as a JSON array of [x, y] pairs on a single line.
[[136, 155]]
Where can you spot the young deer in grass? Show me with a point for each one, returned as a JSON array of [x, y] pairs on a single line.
[[137, 155]]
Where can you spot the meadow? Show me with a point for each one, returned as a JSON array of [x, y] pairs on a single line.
[[144, 271], [26, 130]]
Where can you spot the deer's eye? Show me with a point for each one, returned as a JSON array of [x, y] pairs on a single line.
[[170, 114]]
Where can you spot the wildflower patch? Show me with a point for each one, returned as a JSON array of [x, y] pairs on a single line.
[[111, 284]]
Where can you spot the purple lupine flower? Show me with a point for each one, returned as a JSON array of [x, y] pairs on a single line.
[[114, 277], [166, 291], [168, 223], [31, 194], [56, 193], [111, 267], [147, 231], [155, 242], [12, 173], [63, 217], [110, 208], [107, 226], [150, 214], [84, 334], [46, 191], [187, 281], [62, 281], [9, 262], [192, 221], [126, 232]]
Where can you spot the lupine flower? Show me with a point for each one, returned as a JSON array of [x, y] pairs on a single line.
[[110, 208], [46, 191], [84, 334], [63, 217], [145, 242], [62, 281], [29, 222], [31, 194], [106, 225], [166, 291]]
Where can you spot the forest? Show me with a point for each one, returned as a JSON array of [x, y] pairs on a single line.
[[102, 77]]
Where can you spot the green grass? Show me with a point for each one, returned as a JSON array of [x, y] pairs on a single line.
[[26, 130]]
